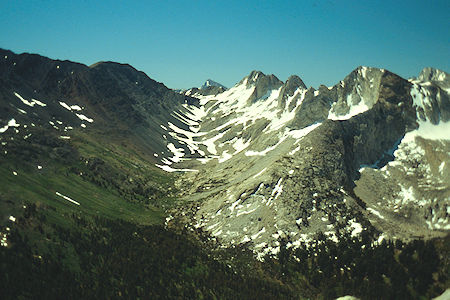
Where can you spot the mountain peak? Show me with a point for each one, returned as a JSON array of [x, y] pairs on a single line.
[[111, 64], [259, 78], [255, 74], [295, 82], [212, 83], [432, 74]]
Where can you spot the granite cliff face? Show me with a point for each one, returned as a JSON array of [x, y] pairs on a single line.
[[280, 160]]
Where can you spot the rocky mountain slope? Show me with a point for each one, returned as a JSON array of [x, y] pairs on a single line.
[[316, 184], [275, 159], [82, 203], [106, 96]]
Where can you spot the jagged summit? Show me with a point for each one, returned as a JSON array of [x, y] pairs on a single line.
[[364, 73], [434, 76], [259, 78], [359, 92], [286, 156], [430, 93], [263, 84], [212, 83], [293, 83]]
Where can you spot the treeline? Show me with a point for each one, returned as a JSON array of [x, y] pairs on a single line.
[[134, 187], [358, 267], [107, 259]]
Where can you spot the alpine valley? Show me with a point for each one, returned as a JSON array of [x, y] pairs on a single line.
[[114, 186]]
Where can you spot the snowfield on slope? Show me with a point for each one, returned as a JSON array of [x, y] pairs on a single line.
[[208, 127], [236, 140]]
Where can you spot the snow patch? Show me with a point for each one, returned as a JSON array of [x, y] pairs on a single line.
[[225, 156], [169, 169], [375, 212], [67, 198], [234, 204], [300, 133], [259, 173], [177, 152], [245, 212], [31, 103], [429, 131], [84, 118], [354, 109], [11, 123], [356, 228], [256, 235]]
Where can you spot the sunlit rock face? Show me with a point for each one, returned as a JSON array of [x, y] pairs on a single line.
[[264, 159], [276, 159]]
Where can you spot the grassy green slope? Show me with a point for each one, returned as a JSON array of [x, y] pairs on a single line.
[[112, 244], [104, 178]]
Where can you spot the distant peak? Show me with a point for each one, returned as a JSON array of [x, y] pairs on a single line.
[[212, 83], [432, 74]]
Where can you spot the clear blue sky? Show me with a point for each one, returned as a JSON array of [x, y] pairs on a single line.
[[183, 43]]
